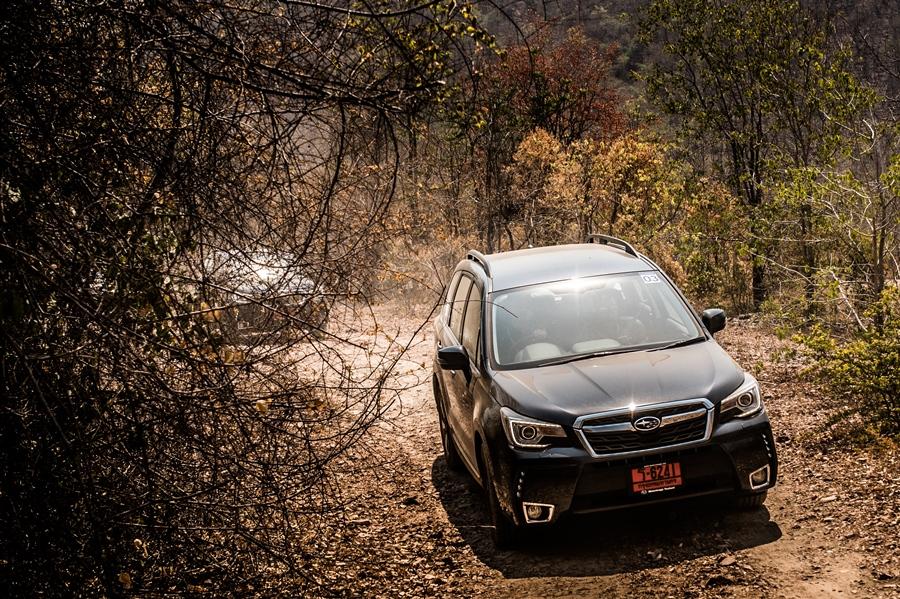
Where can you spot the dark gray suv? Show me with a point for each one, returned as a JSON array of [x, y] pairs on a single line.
[[576, 378]]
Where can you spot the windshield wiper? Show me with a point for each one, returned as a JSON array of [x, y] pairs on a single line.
[[681, 343], [596, 354]]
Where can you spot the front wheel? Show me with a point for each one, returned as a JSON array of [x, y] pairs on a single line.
[[505, 532]]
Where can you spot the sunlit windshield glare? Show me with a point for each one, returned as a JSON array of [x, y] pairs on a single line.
[[584, 316]]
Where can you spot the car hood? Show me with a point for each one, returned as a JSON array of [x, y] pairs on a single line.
[[563, 392]]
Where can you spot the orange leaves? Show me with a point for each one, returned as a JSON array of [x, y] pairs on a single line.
[[627, 184], [560, 85]]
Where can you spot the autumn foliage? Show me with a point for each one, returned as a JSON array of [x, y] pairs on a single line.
[[560, 85]]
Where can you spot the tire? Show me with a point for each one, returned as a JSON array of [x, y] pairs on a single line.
[[451, 455], [750, 502], [506, 533]]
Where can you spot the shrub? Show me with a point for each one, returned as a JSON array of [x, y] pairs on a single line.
[[865, 367]]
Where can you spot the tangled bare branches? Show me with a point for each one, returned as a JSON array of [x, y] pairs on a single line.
[[187, 191]]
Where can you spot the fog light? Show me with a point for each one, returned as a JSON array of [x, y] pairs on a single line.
[[537, 512], [759, 478]]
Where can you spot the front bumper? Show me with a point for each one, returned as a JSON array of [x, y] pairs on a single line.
[[572, 481]]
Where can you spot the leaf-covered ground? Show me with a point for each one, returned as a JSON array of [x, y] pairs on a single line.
[[831, 528]]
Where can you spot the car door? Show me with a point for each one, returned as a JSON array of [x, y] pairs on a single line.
[[455, 380], [465, 397]]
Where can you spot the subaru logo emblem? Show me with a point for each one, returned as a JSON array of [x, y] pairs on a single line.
[[646, 423]]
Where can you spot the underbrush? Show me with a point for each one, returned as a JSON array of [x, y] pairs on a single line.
[[864, 367], [415, 271]]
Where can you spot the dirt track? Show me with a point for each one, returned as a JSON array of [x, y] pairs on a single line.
[[831, 528]]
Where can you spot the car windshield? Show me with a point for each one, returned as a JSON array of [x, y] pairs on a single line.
[[566, 320]]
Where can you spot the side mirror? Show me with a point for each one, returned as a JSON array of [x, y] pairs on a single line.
[[714, 319], [453, 357]]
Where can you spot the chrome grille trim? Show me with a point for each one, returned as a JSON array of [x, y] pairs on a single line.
[[618, 427], [705, 408], [676, 418]]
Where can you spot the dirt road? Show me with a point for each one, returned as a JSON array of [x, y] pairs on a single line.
[[831, 528]]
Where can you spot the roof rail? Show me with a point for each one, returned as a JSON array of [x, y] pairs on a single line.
[[610, 240], [479, 258]]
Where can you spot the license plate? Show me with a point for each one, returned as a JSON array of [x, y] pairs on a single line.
[[656, 477]]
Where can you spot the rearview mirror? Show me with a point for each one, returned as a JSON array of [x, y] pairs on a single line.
[[453, 357], [714, 319]]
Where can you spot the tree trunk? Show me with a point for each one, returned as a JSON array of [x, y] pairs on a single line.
[[759, 285], [759, 251], [808, 268], [490, 236]]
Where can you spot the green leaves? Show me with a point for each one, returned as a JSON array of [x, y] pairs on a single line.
[[758, 74], [759, 90], [865, 367]]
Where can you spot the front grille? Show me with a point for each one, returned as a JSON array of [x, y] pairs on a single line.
[[613, 434], [682, 432], [626, 416]]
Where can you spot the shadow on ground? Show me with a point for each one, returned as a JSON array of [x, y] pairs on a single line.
[[606, 543]]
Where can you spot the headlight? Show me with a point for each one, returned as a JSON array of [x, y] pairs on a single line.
[[744, 402], [528, 433]]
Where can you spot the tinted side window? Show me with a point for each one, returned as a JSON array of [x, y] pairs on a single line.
[[472, 326], [459, 304], [448, 299]]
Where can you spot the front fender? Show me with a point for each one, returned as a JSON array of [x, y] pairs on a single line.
[[490, 427]]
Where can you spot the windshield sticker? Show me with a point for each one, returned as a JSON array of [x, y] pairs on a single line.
[[650, 278]]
